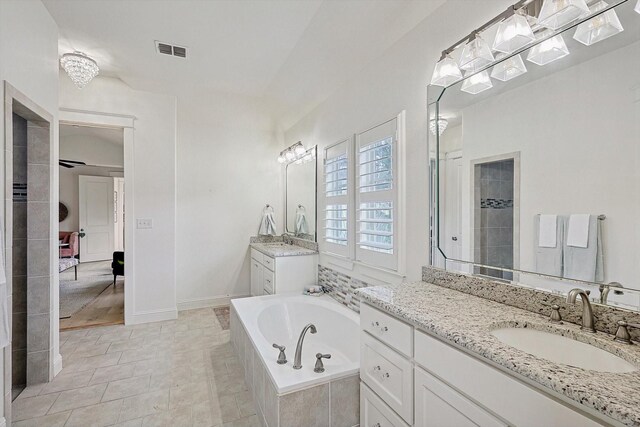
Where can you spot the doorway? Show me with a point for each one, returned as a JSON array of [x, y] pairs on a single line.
[[91, 251], [28, 245]]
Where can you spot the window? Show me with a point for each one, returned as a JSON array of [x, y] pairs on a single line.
[[377, 195], [336, 196], [361, 197]]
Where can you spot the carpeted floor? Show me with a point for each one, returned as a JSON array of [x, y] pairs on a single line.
[[222, 314], [93, 279]]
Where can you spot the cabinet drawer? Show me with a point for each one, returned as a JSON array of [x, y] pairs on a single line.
[[374, 412], [268, 262], [388, 329], [388, 374], [257, 255], [437, 404], [269, 285], [501, 394]]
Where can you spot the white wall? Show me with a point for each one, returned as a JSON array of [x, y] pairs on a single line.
[[394, 82], [227, 173], [29, 62], [92, 150], [154, 185]]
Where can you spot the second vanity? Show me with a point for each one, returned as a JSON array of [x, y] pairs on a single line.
[[433, 356], [279, 267]]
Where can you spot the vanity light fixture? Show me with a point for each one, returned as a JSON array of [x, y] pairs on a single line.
[[476, 54], [294, 153], [446, 71], [440, 124], [80, 68], [548, 51], [477, 83], [637, 8], [513, 33], [599, 27], [509, 68], [557, 13]]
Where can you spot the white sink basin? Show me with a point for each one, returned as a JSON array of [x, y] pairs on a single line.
[[559, 349]]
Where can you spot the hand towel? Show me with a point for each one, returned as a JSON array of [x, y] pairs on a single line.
[[301, 226], [268, 224], [578, 232], [548, 231], [586, 263], [549, 260]]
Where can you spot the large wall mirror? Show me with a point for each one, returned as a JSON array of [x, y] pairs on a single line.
[[538, 169], [300, 197]]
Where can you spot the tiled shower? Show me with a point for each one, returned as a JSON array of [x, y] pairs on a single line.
[[494, 217]]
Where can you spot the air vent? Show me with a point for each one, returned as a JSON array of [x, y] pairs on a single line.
[[168, 49]]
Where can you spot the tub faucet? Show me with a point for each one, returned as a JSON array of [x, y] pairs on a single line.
[[587, 312], [297, 362]]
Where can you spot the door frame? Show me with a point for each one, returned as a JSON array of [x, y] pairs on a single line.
[[127, 124]]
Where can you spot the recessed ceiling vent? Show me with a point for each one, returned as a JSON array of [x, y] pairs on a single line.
[[168, 49]]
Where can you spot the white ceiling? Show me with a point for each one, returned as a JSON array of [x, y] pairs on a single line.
[[291, 53]]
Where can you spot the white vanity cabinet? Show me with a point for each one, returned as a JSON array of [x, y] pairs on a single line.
[[410, 378], [281, 274]]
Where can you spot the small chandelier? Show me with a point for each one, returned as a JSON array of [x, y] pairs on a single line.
[[80, 68], [440, 124]]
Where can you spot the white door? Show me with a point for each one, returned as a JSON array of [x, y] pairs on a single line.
[[96, 217], [453, 212], [256, 278], [118, 197]]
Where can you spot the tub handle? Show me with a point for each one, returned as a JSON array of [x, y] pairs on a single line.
[[282, 358], [319, 368]]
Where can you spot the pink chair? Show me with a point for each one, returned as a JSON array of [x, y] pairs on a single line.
[[70, 237]]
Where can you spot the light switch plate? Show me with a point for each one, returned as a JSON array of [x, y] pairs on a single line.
[[143, 223]]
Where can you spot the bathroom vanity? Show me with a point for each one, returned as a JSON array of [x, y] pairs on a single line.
[[429, 357], [279, 267]]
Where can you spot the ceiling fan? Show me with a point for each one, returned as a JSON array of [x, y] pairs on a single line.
[[70, 164]]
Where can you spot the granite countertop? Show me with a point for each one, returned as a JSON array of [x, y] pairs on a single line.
[[467, 320], [279, 249]]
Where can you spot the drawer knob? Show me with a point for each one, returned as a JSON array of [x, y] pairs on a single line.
[[383, 329], [376, 425], [375, 324]]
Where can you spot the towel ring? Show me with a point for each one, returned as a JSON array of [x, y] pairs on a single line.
[[267, 209]]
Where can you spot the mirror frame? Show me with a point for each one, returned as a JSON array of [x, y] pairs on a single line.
[[315, 190]]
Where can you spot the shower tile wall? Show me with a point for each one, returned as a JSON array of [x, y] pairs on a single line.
[[19, 258], [493, 217]]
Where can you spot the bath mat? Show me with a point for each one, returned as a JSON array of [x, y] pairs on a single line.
[[222, 313]]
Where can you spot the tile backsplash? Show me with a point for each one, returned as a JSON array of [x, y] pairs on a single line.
[[341, 287]]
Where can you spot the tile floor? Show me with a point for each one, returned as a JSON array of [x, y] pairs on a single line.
[[175, 373]]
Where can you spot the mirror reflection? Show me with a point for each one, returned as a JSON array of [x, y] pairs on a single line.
[[301, 196], [555, 188]]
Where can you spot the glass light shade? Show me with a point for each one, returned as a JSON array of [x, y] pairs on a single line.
[[599, 27], [637, 8], [509, 69], [548, 51], [475, 55], [513, 33], [477, 83], [446, 72], [80, 68], [440, 124], [299, 150], [557, 13], [289, 155], [281, 159]]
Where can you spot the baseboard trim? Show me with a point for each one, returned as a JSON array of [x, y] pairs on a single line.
[[153, 316], [218, 301], [57, 365]]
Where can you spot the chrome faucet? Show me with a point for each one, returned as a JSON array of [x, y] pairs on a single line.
[[587, 312], [297, 362]]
